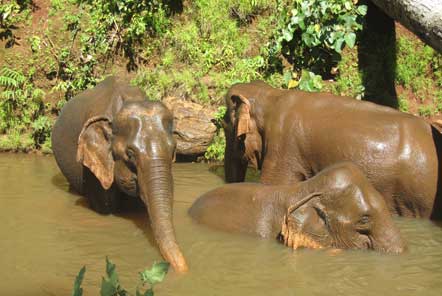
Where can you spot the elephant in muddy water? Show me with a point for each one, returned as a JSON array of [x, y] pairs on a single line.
[[336, 208], [109, 141], [292, 135]]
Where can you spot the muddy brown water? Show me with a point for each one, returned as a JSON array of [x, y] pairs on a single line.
[[48, 234]]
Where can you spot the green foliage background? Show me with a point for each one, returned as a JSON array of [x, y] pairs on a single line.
[[193, 50]]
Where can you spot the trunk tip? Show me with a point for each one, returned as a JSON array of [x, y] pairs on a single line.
[[180, 265]]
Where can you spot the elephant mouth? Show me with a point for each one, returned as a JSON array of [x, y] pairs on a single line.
[[295, 239], [128, 185], [292, 234]]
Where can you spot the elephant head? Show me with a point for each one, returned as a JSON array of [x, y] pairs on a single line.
[[242, 125], [347, 219], [134, 149]]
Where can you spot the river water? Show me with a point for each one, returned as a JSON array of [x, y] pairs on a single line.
[[48, 234]]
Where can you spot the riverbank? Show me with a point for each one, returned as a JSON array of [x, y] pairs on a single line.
[[192, 51]]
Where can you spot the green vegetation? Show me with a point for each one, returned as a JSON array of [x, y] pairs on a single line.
[[11, 14], [110, 285], [311, 34], [215, 151], [207, 51], [419, 71], [348, 80], [404, 106], [194, 50], [101, 30], [22, 110]]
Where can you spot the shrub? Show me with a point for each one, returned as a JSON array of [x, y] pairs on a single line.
[[22, 108], [11, 13], [426, 110], [216, 149], [311, 34], [209, 45], [100, 30], [412, 62]]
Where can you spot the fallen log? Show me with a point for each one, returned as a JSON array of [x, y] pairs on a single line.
[[422, 17]]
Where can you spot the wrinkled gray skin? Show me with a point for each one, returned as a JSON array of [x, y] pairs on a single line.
[[336, 208], [110, 140], [293, 135]]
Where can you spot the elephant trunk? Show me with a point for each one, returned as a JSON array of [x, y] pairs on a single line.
[[156, 190], [388, 238]]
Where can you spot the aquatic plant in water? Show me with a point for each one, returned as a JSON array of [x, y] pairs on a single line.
[[110, 285]]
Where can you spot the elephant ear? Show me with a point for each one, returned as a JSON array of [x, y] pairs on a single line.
[[94, 149], [242, 114]]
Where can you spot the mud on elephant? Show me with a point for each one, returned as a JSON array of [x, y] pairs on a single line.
[[110, 140], [293, 135], [336, 208]]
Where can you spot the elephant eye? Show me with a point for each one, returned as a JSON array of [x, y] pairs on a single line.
[[130, 154], [365, 219], [322, 215], [363, 226]]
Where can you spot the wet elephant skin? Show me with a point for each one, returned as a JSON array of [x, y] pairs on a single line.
[[109, 141], [336, 208], [293, 135]]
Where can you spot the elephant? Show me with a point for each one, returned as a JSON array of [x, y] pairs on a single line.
[[336, 208], [109, 142], [292, 135]]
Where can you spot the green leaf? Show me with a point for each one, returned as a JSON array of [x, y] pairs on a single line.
[[338, 45], [156, 274], [288, 36], [78, 291], [108, 288], [111, 272], [148, 292], [292, 84], [310, 81], [350, 39], [287, 76], [302, 24], [362, 9]]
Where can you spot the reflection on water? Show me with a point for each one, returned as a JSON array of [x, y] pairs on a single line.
[[48, 234]]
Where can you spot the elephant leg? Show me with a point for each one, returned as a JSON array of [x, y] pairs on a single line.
[[281, 172], [102, 201]]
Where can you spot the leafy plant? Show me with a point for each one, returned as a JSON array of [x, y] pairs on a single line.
[[312, 33], [412, 61], [110, 284], [404, 106], [152, 277], [35, 42], [11, 13], [206, 53], [101, 30], [426, 110], [21, 106], [41, 130], [216, 149], [78, 291], [418, 69], [309, 81]]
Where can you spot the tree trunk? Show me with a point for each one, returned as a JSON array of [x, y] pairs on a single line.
[[377, 56], [422, 17]]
